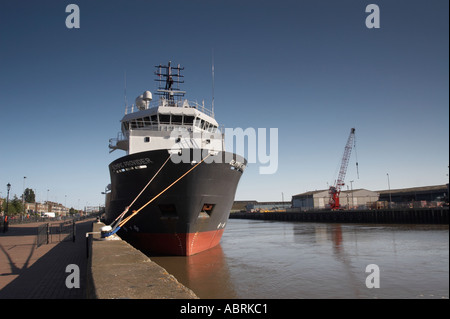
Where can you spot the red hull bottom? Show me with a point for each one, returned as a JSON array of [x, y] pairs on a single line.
[[176, 244]]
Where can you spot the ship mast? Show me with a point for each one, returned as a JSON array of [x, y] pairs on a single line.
[[169, 78]]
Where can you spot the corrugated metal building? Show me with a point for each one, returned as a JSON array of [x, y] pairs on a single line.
[[415, 196], [319, 199]]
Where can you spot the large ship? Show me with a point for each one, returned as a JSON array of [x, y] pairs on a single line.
[[174, 189]]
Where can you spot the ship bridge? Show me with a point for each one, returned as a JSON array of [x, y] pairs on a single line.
[[150, 125]]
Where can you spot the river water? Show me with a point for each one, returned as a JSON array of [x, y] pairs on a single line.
[[269, 259]]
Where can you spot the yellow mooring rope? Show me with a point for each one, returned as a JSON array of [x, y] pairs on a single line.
[[151, 180], [179, 178]]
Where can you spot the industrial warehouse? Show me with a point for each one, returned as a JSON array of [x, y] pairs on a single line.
[[415, 197]]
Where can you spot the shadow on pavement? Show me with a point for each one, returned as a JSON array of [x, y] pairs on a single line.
[[46, 277]]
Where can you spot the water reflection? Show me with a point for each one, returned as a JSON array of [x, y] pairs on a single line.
[[207, 273], [268, 259]]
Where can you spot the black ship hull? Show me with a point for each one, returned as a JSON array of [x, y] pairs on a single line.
[[189, 217]]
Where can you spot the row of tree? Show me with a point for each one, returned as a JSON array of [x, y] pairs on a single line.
[[15, 204]]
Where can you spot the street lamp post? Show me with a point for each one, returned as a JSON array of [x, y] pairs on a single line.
[[8, 187], [5, 220], [389, 187], [351, 187], [348, 201], [48, 210], [23, 196]]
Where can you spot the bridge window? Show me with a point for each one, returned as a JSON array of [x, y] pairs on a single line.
[[164, 119], [188, 120], [177, 119]]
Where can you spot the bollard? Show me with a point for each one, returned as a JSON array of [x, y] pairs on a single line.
[[87, 245], [48, 233], [87, 241], [73, 230]]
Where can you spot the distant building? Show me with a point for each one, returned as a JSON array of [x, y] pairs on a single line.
[[241, 205], [424, 196], [58, 209], [36, 207], [319, 199], [268, 206], [52, 207], [255, 206], [93, 209], [427, 196]]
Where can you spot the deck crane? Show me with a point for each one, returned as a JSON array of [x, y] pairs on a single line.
[[335, 190]]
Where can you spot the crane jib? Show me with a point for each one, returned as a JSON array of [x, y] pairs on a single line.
[[335, 190]]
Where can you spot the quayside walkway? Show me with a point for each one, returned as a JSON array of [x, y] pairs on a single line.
[[31, 272]]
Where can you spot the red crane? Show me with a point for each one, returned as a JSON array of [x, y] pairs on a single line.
[[335, 190]]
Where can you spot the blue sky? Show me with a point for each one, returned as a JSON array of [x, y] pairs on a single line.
[[312, 69]]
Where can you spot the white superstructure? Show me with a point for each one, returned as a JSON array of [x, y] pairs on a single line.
[[167, 123]]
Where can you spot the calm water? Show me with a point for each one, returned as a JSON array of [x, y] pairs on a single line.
[[267, 259]]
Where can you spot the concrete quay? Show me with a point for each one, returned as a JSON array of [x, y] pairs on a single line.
[[116, 270]]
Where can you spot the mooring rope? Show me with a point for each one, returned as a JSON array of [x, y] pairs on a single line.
[[119, 218], [123, 222]]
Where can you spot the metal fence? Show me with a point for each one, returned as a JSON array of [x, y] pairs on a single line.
[[43, 235], [20, 219], [56, 232]]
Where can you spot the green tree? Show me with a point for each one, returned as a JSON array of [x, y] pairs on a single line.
[[14, 206], [30, 197]]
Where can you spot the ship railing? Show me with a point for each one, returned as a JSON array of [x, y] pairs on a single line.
[[114, 141], [183, 103], [201, 108], [168, 127]]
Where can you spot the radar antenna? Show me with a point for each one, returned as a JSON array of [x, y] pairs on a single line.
[[169, 78]]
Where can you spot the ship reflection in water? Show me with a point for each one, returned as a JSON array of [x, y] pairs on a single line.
[[206, 273], [268, 259]]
